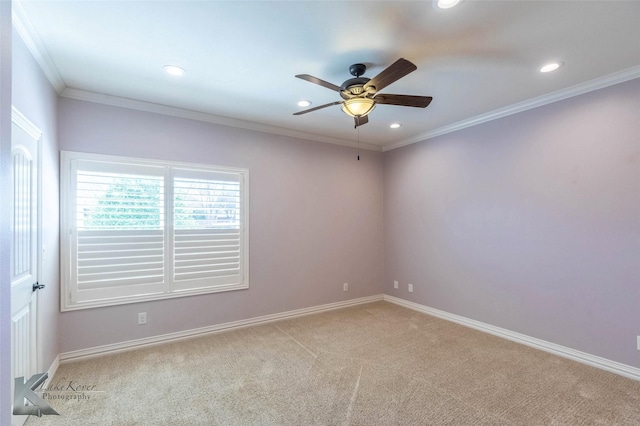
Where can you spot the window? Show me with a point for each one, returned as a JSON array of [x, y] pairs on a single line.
[[135, 230]]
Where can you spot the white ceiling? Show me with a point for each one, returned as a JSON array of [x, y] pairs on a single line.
[[478, 60]]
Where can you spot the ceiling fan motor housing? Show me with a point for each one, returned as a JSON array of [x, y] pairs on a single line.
[[353, 87]]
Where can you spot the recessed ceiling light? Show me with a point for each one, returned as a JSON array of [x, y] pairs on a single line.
[[304, 103], [395, 125], [551, 66], [446, 4], [174, 70]]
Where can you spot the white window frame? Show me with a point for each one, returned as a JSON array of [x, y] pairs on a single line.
[[72, 299]]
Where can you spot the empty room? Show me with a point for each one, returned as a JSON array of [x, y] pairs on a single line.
[[319, 212]]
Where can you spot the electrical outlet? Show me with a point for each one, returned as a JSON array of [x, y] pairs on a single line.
[[639, 343], [395, 284], [345, 287], [142, 318], [410, 288]]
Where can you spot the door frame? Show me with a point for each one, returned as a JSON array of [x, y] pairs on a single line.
[[33, 131]]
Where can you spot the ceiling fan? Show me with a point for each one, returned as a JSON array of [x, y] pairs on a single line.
[[360, 94]]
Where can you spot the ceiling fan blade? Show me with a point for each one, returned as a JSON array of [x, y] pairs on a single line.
[[360, 120], [317, 108], [316, 80], [403, 100], [394, 72]]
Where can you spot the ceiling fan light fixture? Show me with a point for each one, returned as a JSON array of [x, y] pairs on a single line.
[[358, 107]]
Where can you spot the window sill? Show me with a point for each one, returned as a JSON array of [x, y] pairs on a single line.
[[67, 305]]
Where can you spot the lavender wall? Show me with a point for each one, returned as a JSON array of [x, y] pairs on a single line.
[[529, 223], [315, 219], [34, 97]]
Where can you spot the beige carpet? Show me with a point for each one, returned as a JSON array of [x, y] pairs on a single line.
[[374, 364]]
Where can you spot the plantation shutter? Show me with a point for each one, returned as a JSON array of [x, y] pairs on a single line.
[[208, 229], [136, 230], [120, 229]]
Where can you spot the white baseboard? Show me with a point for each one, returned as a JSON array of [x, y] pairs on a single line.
[[563, 351], [197, 332], [51, 371]]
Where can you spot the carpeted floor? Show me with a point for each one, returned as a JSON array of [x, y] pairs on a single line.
[[374, 364]]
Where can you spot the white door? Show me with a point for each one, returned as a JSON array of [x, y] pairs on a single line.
[[24, 250]]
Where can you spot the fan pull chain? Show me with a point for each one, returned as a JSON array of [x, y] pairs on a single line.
[[358, 130]]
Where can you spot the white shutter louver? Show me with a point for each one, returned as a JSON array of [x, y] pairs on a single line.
[[207, 231], [119, 258], [120, 231]]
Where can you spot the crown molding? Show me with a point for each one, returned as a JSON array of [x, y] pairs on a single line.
[[23, 122], [117, 101], [27, 32], [578, 89]]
